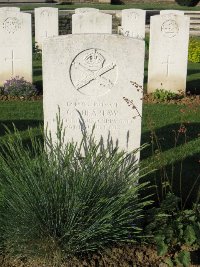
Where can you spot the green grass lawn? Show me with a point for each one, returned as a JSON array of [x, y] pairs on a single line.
[[146, 6]]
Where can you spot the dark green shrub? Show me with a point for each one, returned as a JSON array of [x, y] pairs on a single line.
[[62, 202], [162, 95], [190, 3], [175, 231]]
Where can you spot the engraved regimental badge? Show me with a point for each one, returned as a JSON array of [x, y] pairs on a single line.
[[45, 14], [11, 25], [170, 28], [93, 72]]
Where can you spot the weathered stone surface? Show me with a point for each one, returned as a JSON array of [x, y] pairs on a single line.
[[46, 24], [174, 12], [15, 46], [168, 50], [133, 23], [89, 77], [85, 10], [10, 8], [91, 22]]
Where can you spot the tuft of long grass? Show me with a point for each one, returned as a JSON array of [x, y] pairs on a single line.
[[68, 199]]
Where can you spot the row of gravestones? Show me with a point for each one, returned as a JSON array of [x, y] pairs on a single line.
[[167, 67], [169, 35], [96, 78]]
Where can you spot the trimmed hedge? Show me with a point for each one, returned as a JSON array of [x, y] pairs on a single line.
[[189, 3]]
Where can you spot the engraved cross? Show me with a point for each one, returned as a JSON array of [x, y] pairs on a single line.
[[168, 63], [12, 59]]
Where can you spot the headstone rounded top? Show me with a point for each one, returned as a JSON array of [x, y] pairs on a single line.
[[133, 23], [170, 23], [13, 22], [172, 12], [133, 11], [9, 9], [85, 10], [89, 36], [45, 10], [91, 22]]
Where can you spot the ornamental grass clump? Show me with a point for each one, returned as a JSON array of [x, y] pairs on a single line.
[[67, 200], [18, 86]]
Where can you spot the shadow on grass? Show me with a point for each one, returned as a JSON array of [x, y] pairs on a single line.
[[39, 85], [145, 74], [37, 71], [21, 125], [166, 137], [183, 176], [193, 86], [193, 71], [184, 172]]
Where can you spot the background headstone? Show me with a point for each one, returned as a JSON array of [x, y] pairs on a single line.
[[46, 24], [91, 22], [15, 46], [91, 81], [168, 52], [10, 8], [85, 10], [133, 23], [174, 12]]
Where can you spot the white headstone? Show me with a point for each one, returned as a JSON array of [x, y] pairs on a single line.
[[15, 46], [89, 81], [168, 51], [174, 12], [91, 22], [9, 8], [133, 23], [46, 24], [85, 10]]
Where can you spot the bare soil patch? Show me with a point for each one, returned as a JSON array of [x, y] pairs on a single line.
[[119, 256]]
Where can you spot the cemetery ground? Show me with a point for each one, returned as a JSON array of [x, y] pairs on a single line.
[[172, 131]]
